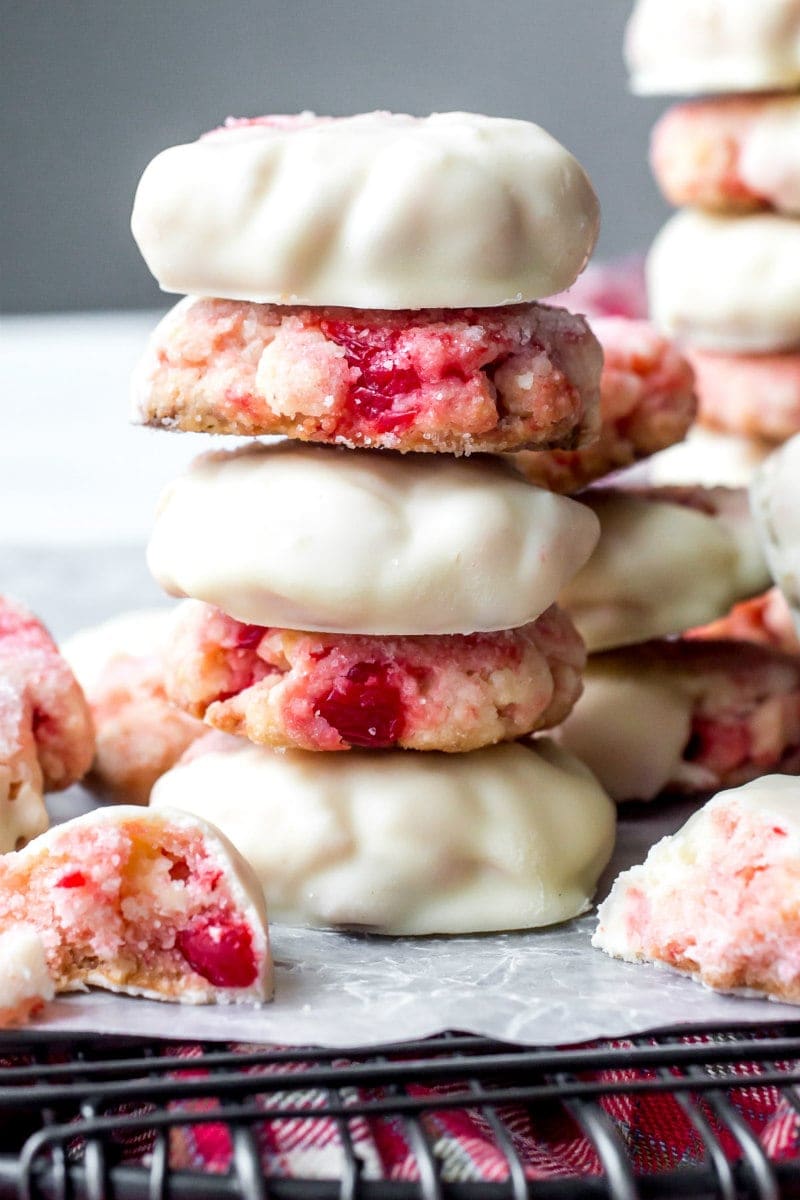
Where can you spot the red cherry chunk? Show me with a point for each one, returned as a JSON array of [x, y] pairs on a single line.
[[248, 636], [364, 707], [719, 746], [74, 879], [219, 951], [380, 380]]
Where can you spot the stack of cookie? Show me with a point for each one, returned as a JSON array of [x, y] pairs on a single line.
[[724, 277], [371, 610]]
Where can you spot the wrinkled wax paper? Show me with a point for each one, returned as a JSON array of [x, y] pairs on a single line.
[[338, 990]]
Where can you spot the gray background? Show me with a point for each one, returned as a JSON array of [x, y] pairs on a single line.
[[92, 89]]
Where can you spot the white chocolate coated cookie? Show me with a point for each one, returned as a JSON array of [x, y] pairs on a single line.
[[667, 560], [705, 46], [709, 458], [506, 838], [728, 283], [25, 982], [379, 210], [687, 717], [776, 504], [344, 541]]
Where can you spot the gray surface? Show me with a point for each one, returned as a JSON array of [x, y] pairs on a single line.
[[92, 90]]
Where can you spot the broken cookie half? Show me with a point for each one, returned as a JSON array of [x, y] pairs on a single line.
[[155, 904]]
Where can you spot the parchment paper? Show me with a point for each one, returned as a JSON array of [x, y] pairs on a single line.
[[337, 990]]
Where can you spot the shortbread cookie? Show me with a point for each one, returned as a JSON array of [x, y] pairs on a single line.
[[155, 904], [490, 379], [379, 210], [25, 983], [647, 402], [346, 541], [708, 46], [50, 699], [608, 289], [732, 154], [686, 717], [509, 837], [756, 396], [139, 733], [22, 810], [720, 899], [707, 458], [776, 504], [765, 619], [728, 284], [321, 692], [668, 559]]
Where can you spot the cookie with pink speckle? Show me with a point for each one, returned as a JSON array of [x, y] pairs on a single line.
[[52, 703], [647, 403], [428, 380], [155, 904], [140, 734], [720, 899], [765, 619], [313, 691], [732, 154], [757, 396]]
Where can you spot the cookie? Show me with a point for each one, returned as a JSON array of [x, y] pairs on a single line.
[[720, 899], [730, 154], [647, 403], [457, 382], [155, 904], [510, 837], [756, 396], [708, 46], [379, 210], [708, 458], [139, 733], [765, 619], [345, 541], [48, 696], [668, 559], [321, 692], [25, 983], [774, 495], [728, 284], [608, 289], [686, 717]]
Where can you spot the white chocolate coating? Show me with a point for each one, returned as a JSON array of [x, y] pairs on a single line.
[[24, 976], [776, 505], [380, 210], [730, 284], [343, 541], [773, 799], [707, 458], [661, 567], [136, 634], [630, 729], [770, 159], [697, 46], [406, 843]]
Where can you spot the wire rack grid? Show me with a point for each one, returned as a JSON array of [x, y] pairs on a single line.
[[106, 1119]]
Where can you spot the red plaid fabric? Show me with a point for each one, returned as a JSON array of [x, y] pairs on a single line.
[[657, 1134]]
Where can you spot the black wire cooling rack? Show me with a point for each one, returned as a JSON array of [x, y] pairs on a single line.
[[106, 1119]]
